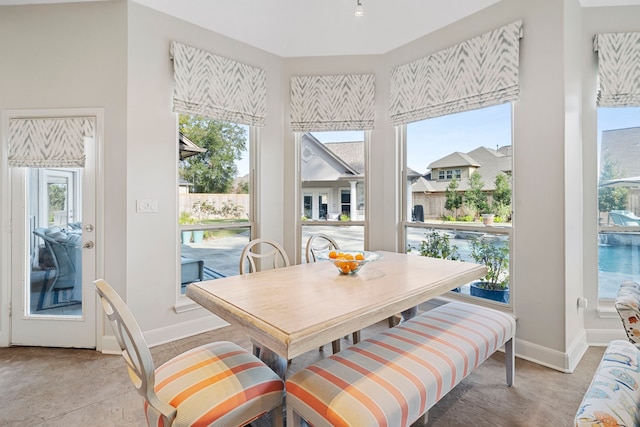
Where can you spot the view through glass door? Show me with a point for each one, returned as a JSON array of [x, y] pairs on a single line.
[[53, 255]]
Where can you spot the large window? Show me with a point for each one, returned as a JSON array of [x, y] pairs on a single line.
[[618, 199], [215, 203], [332, 187], [458, 193]]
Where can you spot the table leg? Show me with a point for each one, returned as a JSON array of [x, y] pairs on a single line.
[[409, 313], [279, 365]]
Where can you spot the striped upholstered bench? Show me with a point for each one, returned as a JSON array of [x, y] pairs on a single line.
[[393, 378]]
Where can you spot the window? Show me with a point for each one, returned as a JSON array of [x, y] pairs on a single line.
[[458, 191], [215, 200], [618, 199], [332, 185]]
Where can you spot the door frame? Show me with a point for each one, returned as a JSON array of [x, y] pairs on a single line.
[[5, 211]]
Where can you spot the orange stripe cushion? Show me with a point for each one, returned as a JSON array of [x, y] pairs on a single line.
[[393, 378], [215, 384]]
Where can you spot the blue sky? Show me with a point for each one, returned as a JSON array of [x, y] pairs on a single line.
[[432, 139]]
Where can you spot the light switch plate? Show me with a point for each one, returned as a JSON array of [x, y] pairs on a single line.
[[146, 206]]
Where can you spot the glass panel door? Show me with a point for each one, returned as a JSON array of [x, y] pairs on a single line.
[[53, 255]]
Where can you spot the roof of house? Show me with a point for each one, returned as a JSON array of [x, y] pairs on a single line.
[[453, 160], [488, 162], [352, 153], [321, 163], [622, 146]]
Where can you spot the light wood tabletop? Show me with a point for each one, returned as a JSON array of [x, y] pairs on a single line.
[[295, 309]]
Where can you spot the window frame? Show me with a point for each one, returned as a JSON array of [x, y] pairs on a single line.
[[183, 303], [404, 214], [299, 198]]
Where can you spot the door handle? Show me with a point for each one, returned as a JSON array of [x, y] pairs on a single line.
[[88, 245]]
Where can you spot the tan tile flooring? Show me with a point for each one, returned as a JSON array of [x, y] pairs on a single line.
[[66, 387]]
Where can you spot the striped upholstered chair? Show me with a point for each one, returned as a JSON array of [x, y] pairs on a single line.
[[217, 384]]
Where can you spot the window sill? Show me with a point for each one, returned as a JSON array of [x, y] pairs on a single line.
[[606, 309]]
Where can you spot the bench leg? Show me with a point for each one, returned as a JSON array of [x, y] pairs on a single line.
[[422, 421], [356, 337], [509, 361], [335, 346]]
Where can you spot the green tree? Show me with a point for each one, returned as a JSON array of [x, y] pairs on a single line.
[[474, 197], [502, 196], [611, 198], [453, 197], [214, 170]]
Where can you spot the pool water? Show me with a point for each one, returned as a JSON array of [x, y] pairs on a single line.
[[619, 259], [616, 264]]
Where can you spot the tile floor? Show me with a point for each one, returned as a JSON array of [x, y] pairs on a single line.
[[57, 387]]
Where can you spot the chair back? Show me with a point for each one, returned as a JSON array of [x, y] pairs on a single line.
[[134, 349], [628, 307], [319, 242], [262, 254]]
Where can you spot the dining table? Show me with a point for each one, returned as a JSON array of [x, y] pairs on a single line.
[[292, 310]]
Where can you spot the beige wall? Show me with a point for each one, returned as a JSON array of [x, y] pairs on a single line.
[[115, 56]]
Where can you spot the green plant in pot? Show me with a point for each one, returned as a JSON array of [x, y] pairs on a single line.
[[438, 245], [495, 257]]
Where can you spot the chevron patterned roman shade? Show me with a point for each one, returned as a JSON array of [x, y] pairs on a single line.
[[477, 73], [618, 69], [49, 142], [216, 87], [332, 103]]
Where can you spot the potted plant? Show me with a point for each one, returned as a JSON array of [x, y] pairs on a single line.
[[438, 245], [487, 218], [186, 218], [494, 256]]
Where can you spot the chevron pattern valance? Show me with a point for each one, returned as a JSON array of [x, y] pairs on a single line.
[[332, 103], [476, 73], [618, 69], [49, 142], [216, 87]]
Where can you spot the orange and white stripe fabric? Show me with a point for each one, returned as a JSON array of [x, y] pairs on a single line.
[[216, 385], [394, 377]]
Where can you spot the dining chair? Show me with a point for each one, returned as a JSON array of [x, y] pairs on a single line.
[[322, 242], [216, 384], [262, 254], [258, 255], [319, 242]]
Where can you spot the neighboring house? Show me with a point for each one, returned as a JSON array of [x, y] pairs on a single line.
[[332, 179], [621, 148], [429, 190]]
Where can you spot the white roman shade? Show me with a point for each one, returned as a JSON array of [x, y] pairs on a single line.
[[219, 88], [618, 69], [332, 103], [49, 142], [477, 73]]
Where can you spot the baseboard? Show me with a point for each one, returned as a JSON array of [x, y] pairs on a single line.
[[155, 337], [577, 348], [602, 337]]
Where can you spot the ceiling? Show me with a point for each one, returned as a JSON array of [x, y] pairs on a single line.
[[295, 28]]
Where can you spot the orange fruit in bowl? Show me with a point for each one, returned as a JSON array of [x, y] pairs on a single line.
[[359, 257], [333, 254]]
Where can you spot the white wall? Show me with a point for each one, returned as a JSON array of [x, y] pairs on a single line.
[[117, 57], [153, 269], [72, 56]]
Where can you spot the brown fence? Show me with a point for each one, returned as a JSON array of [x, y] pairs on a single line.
[[214, 206]]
